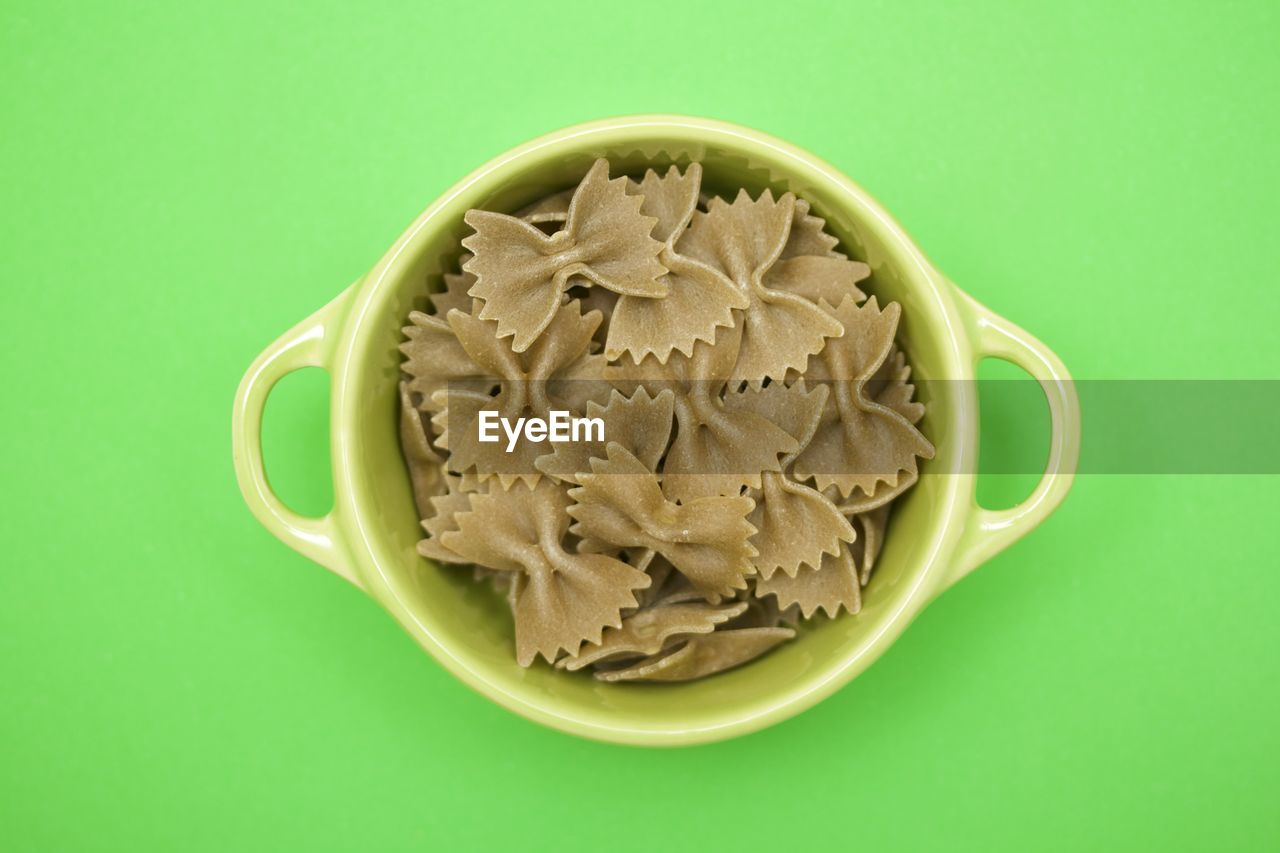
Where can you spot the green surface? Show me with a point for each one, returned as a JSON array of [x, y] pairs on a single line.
[[184, 183]]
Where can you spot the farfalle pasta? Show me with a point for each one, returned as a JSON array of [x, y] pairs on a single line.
[[521, 272], [667, 426]]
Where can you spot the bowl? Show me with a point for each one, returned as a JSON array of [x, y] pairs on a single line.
[[938, 533]]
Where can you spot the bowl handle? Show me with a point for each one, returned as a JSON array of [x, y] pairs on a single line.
[[308, 344], [991, 531]]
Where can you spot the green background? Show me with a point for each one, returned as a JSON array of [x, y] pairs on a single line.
[[182, 182]]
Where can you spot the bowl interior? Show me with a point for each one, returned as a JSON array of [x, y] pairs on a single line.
[[466, 625]]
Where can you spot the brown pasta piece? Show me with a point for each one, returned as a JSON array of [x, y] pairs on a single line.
[[859, 443], [885, 493], [700, 299], [455, 293], [658, 570], [522, 273], [551, 208], [794, 523], [743, 240], [678, 589], [763, 612], [891, 386], [669, 586], [567, 598], [620, 502], [670, 199], [760, 612], [873, 525], [808, 236], [640, 423], [439, 520], [460, 405], [810, 266], [818, 279], [829, 587], [703, 656], [716, 450], [650, 629], [426, 469], [596, 299], [434, 357], [557, 372]]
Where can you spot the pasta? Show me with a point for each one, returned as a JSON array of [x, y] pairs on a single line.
[[780, 330], [706, 539], [716, 449], [565, 598], [522, 272], [795, 524], [756, 420], [699, 656], [648, 631], [699, 300], [860, 442]]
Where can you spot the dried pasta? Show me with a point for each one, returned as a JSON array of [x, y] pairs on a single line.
[[756, 421]]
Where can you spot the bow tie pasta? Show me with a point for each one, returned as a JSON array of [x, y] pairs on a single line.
[[756, 421]]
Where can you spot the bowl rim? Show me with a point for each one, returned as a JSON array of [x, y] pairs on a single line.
[[364, 316]]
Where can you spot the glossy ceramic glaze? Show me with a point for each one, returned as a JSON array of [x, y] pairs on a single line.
[[937, 535]]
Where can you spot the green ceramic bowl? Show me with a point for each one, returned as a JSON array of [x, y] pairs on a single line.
[[938, 533]]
